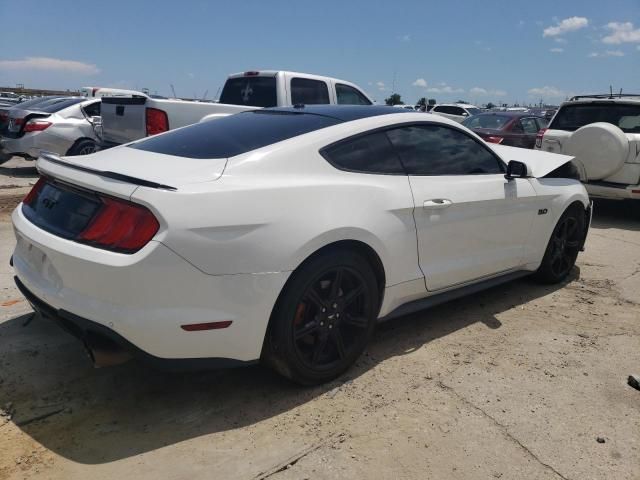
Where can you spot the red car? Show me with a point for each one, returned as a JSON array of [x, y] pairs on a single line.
[[515, 129]]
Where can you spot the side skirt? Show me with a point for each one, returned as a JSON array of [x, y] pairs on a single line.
[[437, 299]]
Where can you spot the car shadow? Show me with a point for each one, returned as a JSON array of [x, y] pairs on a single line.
[[624, 215], [19, 172], [94, 416]]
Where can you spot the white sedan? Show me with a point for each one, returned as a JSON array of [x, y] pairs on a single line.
[[286, 234]]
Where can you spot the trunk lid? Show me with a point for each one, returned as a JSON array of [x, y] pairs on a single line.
[[16, 120], [119, 171]]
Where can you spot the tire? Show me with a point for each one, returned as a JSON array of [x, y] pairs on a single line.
[[82, 147], [563, 247], [324, 318]]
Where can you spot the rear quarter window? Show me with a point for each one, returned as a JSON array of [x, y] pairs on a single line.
[[370, 153], [309, 92]]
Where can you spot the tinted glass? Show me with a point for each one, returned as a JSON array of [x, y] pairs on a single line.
[[474, 111], [253, 91], [435, 150], [572, 117], [34, 101], [529, 125], [494, 122], [542, 122], [350, 96], [235, 134], [93, 109], [56, 104], [309, 92], [368, 153]]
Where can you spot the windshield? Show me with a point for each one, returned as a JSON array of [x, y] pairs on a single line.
[[474, 111], [572, 117], [235, 134], [252, 91], [492, 121]]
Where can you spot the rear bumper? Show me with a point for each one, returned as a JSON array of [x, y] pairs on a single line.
[[90, 332], [32, 144], [613, 191], [145, 298]]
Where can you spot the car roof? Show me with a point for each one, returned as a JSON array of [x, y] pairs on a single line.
[[344, 113]]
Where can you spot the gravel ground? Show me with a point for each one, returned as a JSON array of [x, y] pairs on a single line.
[[518, 382]]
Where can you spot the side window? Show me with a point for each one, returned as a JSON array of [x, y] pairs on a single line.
[[309, 92], [457, 111], [436, 150], [350, 96], [542, 123], [529, 125], [93, 109], [370, 153], [517, 127]]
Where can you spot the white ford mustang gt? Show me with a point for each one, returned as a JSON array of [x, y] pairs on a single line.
[[285, 234]]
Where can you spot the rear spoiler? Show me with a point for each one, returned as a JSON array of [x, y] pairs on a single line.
[[53, 158]]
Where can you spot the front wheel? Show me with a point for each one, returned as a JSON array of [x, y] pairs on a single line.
[[324, 318], [563, 247]]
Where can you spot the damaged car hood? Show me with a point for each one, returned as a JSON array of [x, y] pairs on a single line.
[[540, 163]]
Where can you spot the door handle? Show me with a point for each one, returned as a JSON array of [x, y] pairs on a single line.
[[437, 203]]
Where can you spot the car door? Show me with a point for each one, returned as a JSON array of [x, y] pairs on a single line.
[[471, 221]]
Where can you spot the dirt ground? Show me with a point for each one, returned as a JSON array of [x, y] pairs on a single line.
[[517, 382]]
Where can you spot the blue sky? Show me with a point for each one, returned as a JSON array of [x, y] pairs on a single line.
[[500, 51]]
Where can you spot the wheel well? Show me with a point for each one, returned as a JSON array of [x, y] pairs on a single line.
[[81, 139], [355, 246], [366, 251]]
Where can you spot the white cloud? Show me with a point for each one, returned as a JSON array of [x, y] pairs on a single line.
[[560, 40], [481, 92], [444, 88], [621, 33], [405, 38], [521, 24], [546, 92], [381, 86], [420, 82], [191, 75], [567, 25], [556, 50], [608, 53], [50, 64]]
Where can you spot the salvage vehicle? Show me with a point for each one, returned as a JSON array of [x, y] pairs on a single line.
[[62, 125], [286, 234], [128, 119], [602, 132], [455, 111], [514, 129]]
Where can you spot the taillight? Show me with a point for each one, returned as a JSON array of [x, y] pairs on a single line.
[[539, 136], [33, 193], [36, 126], [493, 139], [157, 121], [120, 226]]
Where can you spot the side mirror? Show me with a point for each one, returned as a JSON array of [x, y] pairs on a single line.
[[516, 169], [465, 114]]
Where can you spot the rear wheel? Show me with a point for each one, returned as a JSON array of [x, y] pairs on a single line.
[[83, 147], [563, 247], [324, 318]]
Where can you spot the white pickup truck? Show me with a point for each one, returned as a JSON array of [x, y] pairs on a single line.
[[125, 119]]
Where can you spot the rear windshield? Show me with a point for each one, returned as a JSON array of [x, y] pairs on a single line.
[[54, 105], [252, 91], [572, 117], [235, 134], [494, 122], [32, 102]]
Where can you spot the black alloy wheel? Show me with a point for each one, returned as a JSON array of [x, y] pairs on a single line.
[[324, 318]]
